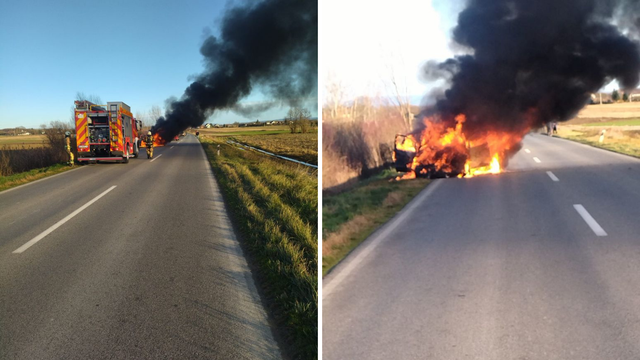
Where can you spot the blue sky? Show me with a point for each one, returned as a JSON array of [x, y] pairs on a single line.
[[139, 52]]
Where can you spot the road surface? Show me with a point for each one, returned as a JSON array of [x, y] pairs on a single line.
[[541, 262], [138, 261]]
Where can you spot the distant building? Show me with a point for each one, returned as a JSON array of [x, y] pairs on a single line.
[[606, 98], [634, 95]]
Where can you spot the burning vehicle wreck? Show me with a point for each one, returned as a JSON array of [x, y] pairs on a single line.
[[441, 151], [512, 78]]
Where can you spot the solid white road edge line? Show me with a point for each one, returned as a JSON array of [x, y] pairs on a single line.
[[536, 159], [552, 176], [527, 151], [171, 147], [32, 242], [593, 224], [382, 236], [154, 159], [43, 179]]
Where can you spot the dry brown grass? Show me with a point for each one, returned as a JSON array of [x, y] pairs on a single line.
[[617, 139], [393, 198], [597, 112], [345, 234], [349, 217], [254, 129], [298, 146], [352, 149], [23, 142]]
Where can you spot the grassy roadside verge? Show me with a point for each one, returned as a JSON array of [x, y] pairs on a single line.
[[7, 182], [303, 147], [348, 218], [275, 207], [624, 142]]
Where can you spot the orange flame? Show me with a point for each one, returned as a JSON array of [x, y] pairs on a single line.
[[448, 149], [157, 141]]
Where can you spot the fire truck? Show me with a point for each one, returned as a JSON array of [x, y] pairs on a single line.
[[106, 132]]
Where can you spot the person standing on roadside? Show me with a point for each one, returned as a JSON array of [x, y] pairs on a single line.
[[149, 144], [67, 147]]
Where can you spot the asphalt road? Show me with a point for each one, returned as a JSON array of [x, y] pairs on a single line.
[[500, 267], [149, 270]]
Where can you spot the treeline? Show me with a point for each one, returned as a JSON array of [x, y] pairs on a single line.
[[357, 139], [14, 161]]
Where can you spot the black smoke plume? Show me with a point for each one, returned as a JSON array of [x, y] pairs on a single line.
[[533, 62], [271, 44]]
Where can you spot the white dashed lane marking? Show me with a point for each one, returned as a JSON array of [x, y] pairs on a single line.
[[33, 241], [593, 224]]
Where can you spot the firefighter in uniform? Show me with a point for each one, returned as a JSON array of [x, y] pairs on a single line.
[[67, 147], [149, 145]]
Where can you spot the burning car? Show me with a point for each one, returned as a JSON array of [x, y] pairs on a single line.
[[441, 151]]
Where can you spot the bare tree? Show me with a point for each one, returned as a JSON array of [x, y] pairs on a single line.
[[55, 133], [291, 118], [154, 114], [72, 118], [141, 117], [335, 97], [304, 120], [298, 118], [399, 91], [92, 98]]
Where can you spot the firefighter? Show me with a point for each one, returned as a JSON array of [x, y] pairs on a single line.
[[67, 146], [149, 145]]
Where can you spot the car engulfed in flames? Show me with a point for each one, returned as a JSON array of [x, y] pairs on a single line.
[[441, 151]]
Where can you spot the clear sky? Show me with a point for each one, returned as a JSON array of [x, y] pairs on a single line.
[[139, 52], [384, 37]]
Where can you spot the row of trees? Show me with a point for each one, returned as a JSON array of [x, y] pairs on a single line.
[[358, 131], [298, 119], [615, 96]]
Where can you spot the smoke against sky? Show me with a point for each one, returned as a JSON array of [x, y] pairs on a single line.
[[532, 62], [271, 45]]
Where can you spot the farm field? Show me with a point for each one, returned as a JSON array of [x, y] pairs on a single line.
[[275, 139], [264, 130], [617, 122], [621, 123], [302, 147], [616, 138], [606, 112], [275, 207], [23, 142]]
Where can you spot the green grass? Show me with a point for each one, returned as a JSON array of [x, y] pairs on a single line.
[[275, 206], [239, 133], [7, 182], [26, 141], [348, 218], [624, 142], [303, 147], [625, 122]]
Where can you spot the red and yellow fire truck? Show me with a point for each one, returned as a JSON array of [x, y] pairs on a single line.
[[106, 132]]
